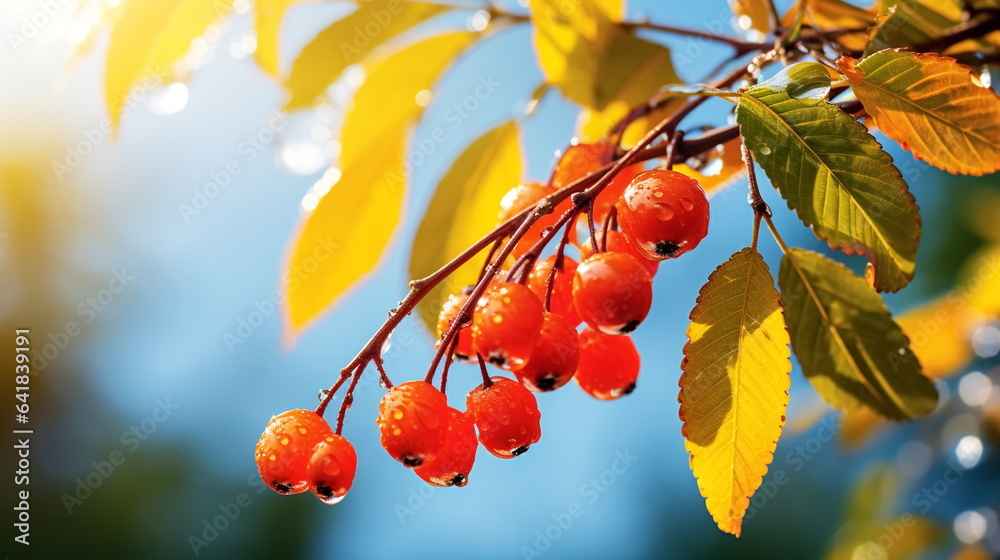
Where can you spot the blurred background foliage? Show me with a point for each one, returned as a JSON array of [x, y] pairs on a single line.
[[188, 486]]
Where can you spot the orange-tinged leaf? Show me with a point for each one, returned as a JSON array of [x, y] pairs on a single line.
[[858, 426], [734, 389], [722, 169], [148, 38], [933, 106], [354, 222], [752, 14], [463, 209], [831, 15]]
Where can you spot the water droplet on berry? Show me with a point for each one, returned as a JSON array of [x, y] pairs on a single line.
[[524, 430], [497, 319], [273, 457], [686, 204], [397, 414], [284, 441], [658, 194], [332, 499], [303, 431], [663, 212], [397, 431]]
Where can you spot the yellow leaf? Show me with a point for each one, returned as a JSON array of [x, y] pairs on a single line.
[[933, 106], [149, 37], [634, 70], [570, 40], [268, 15], [387, 100], [348, 41], [734, 389], [752, 14], [463, 209], [344, 238]]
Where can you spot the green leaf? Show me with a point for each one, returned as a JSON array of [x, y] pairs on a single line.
[[147, 39], [846, 341], [734, 389], [349, 40], [463, 209], [836, 177], [933, 106], [354, 222]]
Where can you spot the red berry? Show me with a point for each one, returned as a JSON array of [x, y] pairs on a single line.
[[561, 302], [525, 196], [331, 469], [413, 421], [663, 213], [507, 417], [609, 365], [554, 358], [463, 350], [612, 292], [451, 466], [284, 449], [506, 323], [617, 243]]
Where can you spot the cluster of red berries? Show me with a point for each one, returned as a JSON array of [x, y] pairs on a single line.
[[524, 323], [662, 214]]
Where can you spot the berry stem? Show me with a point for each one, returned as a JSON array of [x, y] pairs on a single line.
[[755, 199], [348, 399], [450, 357], [672, 147], [482, 368], [321, 408]]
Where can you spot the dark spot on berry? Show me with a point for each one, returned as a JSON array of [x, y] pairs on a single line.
[[282, 487], [519, 450], [412, 460], [629, 389], [324, 491], [629, 327], [547, 383], [498, 360], [458, 480], [667, 248]]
